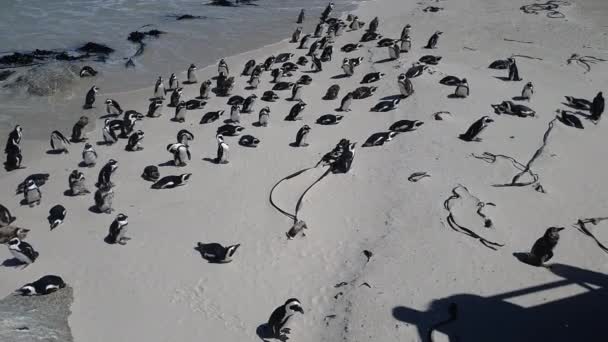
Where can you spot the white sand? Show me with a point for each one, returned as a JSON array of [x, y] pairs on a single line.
[[157, 287]]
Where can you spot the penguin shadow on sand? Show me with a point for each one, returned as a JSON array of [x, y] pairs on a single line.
[[338, 77], [392, 97], [212, 160], [13, 263], [385, 60], [265, 334], [95, 210], [167, 163], [504, 78], [518, 98], [578, 316], [55, 152]]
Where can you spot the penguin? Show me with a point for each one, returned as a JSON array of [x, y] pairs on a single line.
[[235, 114], [89, 156], [301, 17], [364, 92], [5, 217], [270, 96], [205, 89], [277, 75], [288, 67], [210, 117], [406, 88], [57, 215], [406, 44], [8, 233], [230, 130], [304, 80], [222, 68], [222, 150], [302, 136], [394, 51], [405, 126], [416, 70], [317, 64], [13, 158], [249, 141], [385, 42], [327, 53], [430, 60], [302, 61], [597, 106], [432, 43], [379, 139], [268, 63], [170, 182], [248, 104], [295, 37], [159, 89], [150, 173], [155, 108], [104, 197], [462, 89], [59, 142], [216, 253], [76, 181], [78, 134], [508, 107], [332, 92], [108, 132], [542, 250], [577, 103], [319, 29], [526, 93], [90, 98], [570, 120], [38, 178], [134, 143], [369, 36], [500, 64], [32, 194], [372, 77], [327, 11], [348, 67], [185, 137], [296, 93], [406, 31], [14, 139], [254, 81], [194, 104], [373, 25], [329, 119], [248, 69], [283, 57], [180, 152], [450, 81], [106, 172], [296, 111], [22, 251], [180, 112], [191, 74], [355, 24], [87, 71], [304, 41], [175, 97], [264, 117], [173, 82], [128, 123], [118, 229], [43, 286], [385, 106], [513, 71], [351, 47], [281, 316], [476, 128], [113, 108], [346, 102]]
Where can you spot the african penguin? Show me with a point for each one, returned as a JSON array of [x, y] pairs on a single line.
[[118, 229], [280, 317], [476, 128], [302, 136], [222, 150], [205, 90], [264, 117], [22, 251], [527, 92], [173, 82], [170, 182], [31, 193], [56, 215], [346, 102], [432, 43], [78, 134], [106, 173], [159, 89], [542, 250], [134, 142], [76, 182], [104, 197], [59, 143], [113, 108], [462, 89], [89, 156], [43, 286], [597, 106], [180, 153], [192, 74], [216, 253], [90, 98], [6, 217]]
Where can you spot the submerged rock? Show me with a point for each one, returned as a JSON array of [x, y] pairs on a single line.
[[95, 48], [45, 80], [36, 318]]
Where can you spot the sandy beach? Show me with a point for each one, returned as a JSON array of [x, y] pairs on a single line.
[[158, 288]]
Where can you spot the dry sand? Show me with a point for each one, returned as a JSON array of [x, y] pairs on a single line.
[[157, 287]]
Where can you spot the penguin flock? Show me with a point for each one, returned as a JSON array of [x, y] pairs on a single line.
[[317, 49]]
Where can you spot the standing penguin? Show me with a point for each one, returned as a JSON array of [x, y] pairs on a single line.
[[113, 108], [56, 216], [319, 30], [296, 92], [295, 37], [405, 33], [527, 92], [22, 251], [248, 104], [317, 64], [327, 11], [134, 143], [180, 112], [108, 132], [89, 155], [90, 98], [346, 102], [175, 97], [406, 88], [513, 71], [542, 250], [222, 68], [155, 108], [302, 136], [76, 181], [173, 82], [159, 89], [181, 154], [296, 111], [59, 143], [597, 106], [373, 25], [264, 117], [78, 134], [476, 128], [432, 43], [104, 196], [106, 172], [31, 193], [222, 150], [254, 81], [191, 74], [406, 44], [394, 51], [205, 89], [304, 41], [280, 317], [14, 138], [301, 17], [118, 229], [462, 89], [235, 113], [185, 137]]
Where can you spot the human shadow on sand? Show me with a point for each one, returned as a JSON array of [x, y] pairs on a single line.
[[471, 317]]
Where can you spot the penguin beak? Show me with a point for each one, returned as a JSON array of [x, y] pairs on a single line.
[[559, 229], [489, 120], [300, 310]]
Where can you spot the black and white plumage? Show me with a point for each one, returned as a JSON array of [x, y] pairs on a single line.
[[347, 100], [277, 75], [462, 89], [249, 141], [205, 89], [22, 251], [385, 106], [268, 63], [364, 92], [432, 43], [406, 88], [304, 80], [32, 194], [235, 113], [76, 182], [155, 108], [348, 67], [175, 97], [513, 70], [254, 81], [508, 107], [264, 117], [570, 120], [173, 82], [280, 317], [6, 218], [394, 51], [282, 86], [372, 77], [184, 137], [89, 155], [181, 154], [289, 67], [351, 47], [106, 172], [118, 229], [59, 143], [223, 150], [112, 107], [597, 106], [43, 286], [87, 71], [500, 64], [327, 53], [415, 70], [329, 119], [450, 81], [109, 132], [369, 36], [134, 142], [194, 104], [296, 111], [406, 44], [302, 136], [578, 103], [317, 64], [192, 74], [405, 125], [57, 215], [230, 130], [151, 173], [222, 68], [385, 42], [249, 103], [475, 129], [269, 96], [13, 158], [542, 250], [89, 99], [159, 89], [302, 61], [319, 29], [283, 57], [78, 133], [216, 253], [301, 17], [248, 69], [296, 92], [332, 92], [38, 178], [104, 197], [429, 59], [14, 139], [379, 139], [210, 117], [235, 100], [8, 233], [304, 41], [170, 182], [527, 91], [180, 112]]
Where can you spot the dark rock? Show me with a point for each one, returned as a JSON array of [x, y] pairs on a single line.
[[17, 59], [36, 318], [48, 79], [4, 74], [95, 48], [188, 17], [138, 37]]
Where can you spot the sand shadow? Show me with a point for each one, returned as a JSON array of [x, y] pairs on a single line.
[[14, 262], [392, 97], [189, 82], [454, 96], [167, 163], [107, 116], [384, 60], [526, 258], [502, 78], [94, 209], [518, 98], [55, 152], [310, 72], [339, 77], [83, 164], [177, 120], [156, 98], [211, 160], [258, 124], [294, 144], [68, 193]]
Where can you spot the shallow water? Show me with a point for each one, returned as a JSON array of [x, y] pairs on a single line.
[[67, 24]]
